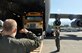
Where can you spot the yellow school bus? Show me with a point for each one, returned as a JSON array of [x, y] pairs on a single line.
[[33, 21]]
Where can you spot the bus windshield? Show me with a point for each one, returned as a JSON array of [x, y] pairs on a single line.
[[34, 18]]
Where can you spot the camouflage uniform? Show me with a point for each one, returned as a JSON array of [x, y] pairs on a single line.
[[24, 45], [57, 39]]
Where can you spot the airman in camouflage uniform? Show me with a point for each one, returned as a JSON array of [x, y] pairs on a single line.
[[9, 44]]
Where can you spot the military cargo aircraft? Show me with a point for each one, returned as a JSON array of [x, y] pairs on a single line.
[[32, 14]]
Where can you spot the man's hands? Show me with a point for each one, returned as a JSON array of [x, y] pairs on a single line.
[[23, 30]]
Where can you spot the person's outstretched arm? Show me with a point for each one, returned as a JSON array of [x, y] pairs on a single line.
[[28, 44]]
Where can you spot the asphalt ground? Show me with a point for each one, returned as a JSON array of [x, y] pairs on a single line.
[[70, 42]]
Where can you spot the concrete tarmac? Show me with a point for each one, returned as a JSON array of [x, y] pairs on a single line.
[[71, 42]]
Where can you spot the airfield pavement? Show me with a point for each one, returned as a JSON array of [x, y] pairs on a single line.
[[70, 42]]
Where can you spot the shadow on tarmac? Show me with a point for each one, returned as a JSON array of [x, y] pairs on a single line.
[[66, 37], [70, 37], [54, 52]]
